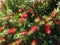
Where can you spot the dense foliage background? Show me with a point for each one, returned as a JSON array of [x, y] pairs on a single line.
[[30, 22]]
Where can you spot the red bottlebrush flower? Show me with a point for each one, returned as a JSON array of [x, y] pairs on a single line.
[[24, 33], [22, 20], [57, 22], [33, 29], [47, 30], [24, 15], [53, 14], [1, 28], [34, 42], [28, 10], [12, 30]]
